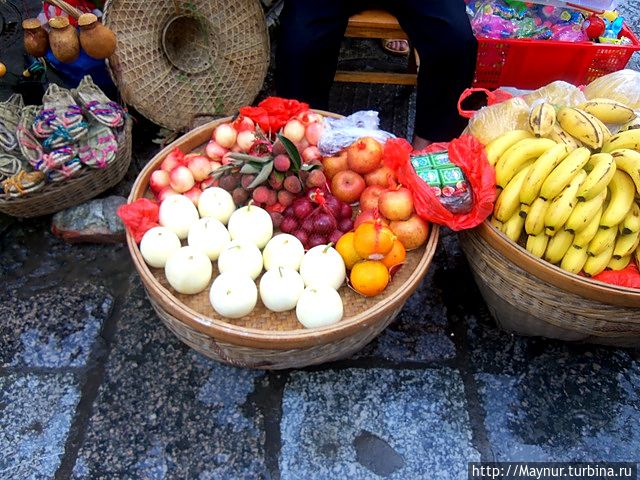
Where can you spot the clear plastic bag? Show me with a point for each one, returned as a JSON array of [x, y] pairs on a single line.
[[339, 133], [490, 122], [558, 92], [623, 86]]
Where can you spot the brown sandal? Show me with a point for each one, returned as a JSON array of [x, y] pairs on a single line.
[[387, 45]]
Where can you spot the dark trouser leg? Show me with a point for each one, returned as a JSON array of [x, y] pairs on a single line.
[[441, 33]]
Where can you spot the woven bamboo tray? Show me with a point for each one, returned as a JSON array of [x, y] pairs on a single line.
[[530, 296], [264, 339], [89, 183]]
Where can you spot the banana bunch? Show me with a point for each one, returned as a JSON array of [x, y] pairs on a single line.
[[570, 189]]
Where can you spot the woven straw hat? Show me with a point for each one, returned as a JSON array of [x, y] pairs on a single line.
[[176, 58]]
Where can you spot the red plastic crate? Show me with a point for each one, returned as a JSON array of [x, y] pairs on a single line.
[[531, 64]]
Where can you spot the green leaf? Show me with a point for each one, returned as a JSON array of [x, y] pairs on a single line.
[[291, 149], [307, 167], [250, 168], [262, 176], [243, 157]]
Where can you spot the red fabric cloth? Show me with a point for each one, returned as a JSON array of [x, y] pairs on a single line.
[[627, 277]]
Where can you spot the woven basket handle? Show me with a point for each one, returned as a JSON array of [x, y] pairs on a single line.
[[69, 9], [15, 101]]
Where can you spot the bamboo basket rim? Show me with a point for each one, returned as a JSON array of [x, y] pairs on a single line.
[[252, 337], [567, 281]]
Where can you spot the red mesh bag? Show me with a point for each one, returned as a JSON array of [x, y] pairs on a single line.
[[139, 217]]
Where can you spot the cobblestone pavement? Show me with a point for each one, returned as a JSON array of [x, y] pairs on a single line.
[[93, 386]]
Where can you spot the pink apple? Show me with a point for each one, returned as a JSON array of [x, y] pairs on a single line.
[[246, 139], [294, 130], [310, 154], [396, 204], [226, 159], [194, 194], [164, 193], [313, 132], [236, 149], [225, 135], [244, 124], [214, 166], [209, 182], [308, 117], [200, 167], [215, 151], [171, 161], [181, 179], [159, 180]]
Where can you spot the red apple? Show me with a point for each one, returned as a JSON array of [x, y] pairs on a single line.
[[164, 193], [396, 204], [194, 194], [412, 232], [347, 186], [333, 165], [215, 151], [181, 179], [383, 176], [200, 167], [310, 154], [365, 155], [370, 196], [313, 132], [159, 180], [244, 124], [370, 216], [294, 130], [173, 160], [246, 139], [225, 135]]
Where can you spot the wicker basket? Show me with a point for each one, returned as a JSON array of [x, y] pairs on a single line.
[[89, 183], [530, 296], [265, 339]]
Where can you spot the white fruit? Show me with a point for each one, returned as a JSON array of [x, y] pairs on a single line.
[[209, 236], [178, 213], [233, 295], [280, 289], [251, 224], [319, 306], [323, 265], [217, 203], [283, 250], [188, 270], [157, 244], [239, 256]]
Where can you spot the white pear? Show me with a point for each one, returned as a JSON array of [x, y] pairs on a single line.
[[217, 203], [280, 289], [283, 250], [233, 294], [178, 213], [251, 224], [188, 270], [319, 306], [239, 256], [210, 236], [323, 265], [157, 244]]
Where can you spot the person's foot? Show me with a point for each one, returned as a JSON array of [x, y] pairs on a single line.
[[396, 46], [419, 143]]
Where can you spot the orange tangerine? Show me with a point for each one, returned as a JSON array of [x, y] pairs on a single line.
[[369, 277], [396, 256], [372, 241], [347, 250]]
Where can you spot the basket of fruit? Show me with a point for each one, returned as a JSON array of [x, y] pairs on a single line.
[[559, 256], [243, 267]]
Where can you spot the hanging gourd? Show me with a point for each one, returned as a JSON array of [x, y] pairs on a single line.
[[97, 40], [63, 39], [36, 39]]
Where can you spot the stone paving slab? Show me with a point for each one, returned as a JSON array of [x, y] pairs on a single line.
[[35, 416], [359, 424]]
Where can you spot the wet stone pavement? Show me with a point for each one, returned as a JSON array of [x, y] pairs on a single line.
[[93, 386]]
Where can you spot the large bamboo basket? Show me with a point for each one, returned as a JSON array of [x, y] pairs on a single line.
[[87, 184], [530, 296], [264, 339]]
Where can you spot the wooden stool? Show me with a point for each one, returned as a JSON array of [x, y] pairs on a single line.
[[378, 24]]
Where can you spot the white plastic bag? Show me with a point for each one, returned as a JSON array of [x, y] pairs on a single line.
[[339, 133]]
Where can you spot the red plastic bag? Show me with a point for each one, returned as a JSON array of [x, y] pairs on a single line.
[[273, 113], [627, 277], [139, 217], [494, 97], [467, 153]]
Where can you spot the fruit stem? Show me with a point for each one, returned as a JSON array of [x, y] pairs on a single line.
[[280, 270], [329, 245]]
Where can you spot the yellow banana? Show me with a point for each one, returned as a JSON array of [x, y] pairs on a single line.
[[595, 265], [626, 244], [606, 133], [534, 223], [619, 263], [561, 206], [512, 228], [498, 146], [622, 195], [558, 135], [630, 125], [566, 171], [496, 223], [537, 244], [636, 256], [540, 170], [541, 119], [601, 168], [558, 246], [574, 259], [603, 239], [580, 125], [631, 222], [508, 202], [628, 161], [628, 139], [512, 161], [608, 111], [583, 237], [583, 212]]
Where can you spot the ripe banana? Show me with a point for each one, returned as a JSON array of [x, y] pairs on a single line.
[[583, 212], [498, 146], [603, 239], [508, 202], [541, 119], [574, 259], [622, 195], [628, 139], [606, 133], [561, 206], [512, 228], [540, 170], [630, 125], [558, 246], [583, 237], [595, 265], [581, 125], [608, 111], [628, 161], [626, 244], [537, 244], [601, 168], [619, 263], [564, 173], [558, 135], [631, 222], [534, 223], [496, 223], [636, 255], [512, 161]]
